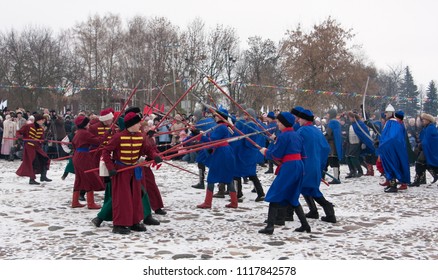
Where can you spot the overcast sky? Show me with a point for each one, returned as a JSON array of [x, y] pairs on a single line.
[[391, 32]]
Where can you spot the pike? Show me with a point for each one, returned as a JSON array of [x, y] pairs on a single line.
[[189, 140], [37, 140], [212, 108], [230, 98], [208, 145], [126, 103], [177, 102]]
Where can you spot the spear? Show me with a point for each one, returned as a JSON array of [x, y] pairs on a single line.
[[37, 140], [177, 102], [208, 145], [229, 97]]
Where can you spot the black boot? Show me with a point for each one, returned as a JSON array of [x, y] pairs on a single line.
[[281, 216], [221, 191], [304, 224], [313, 213], [121, 230], [82, 195], [239, 189], [289, 213], [416, 182], [44, 176], [270, 168], [33, 182], [200, 185], [258, 187], [97, 221], [328, 210], [149, 220], [423, 178], [138, 227], [392, 188], [272, 215]]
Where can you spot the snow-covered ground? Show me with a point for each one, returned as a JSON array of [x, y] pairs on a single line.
[[37, 223]]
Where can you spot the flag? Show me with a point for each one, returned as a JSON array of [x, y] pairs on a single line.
[[3, 104], [162, 108]]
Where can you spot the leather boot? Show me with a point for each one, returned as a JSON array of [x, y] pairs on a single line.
[[416, 182], [33, 182], [150, 221], [289, 213], [328, 210], [201, 184], [270, 168], [82, 195], [258, 187], [234, 203], [423, 178], [370, 170], [43, 177], [207, 201], [239, 189], [97, 221], [272, 216], [221, 191], [90, 201], [304, 224], [392, 188], [313, 213], [75, 200]]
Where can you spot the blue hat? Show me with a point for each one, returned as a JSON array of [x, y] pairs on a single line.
[[286, 118], [223, 112], [297, 110], [400, 114], [271, 115], [307, 115]]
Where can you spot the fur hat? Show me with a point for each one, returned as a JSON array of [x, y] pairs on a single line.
[[307, 115], [271, 115], [400, 115], [428, 117], [81, 121], [223, 112], [133, 109], [286, 118], [131, 119], [106, 115], [297, 110]]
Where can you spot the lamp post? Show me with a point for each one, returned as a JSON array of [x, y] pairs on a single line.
[[172, 46], [229, 62]]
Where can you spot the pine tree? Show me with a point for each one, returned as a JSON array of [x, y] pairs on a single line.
[[408, 100], [431, 104]]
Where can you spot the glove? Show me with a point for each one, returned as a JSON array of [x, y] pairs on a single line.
[[195, 132], [158, 159], [112, 172], [151, 133], [262, 151]]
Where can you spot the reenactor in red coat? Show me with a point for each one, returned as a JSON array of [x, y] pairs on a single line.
[[123, 150], [35, 160]]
